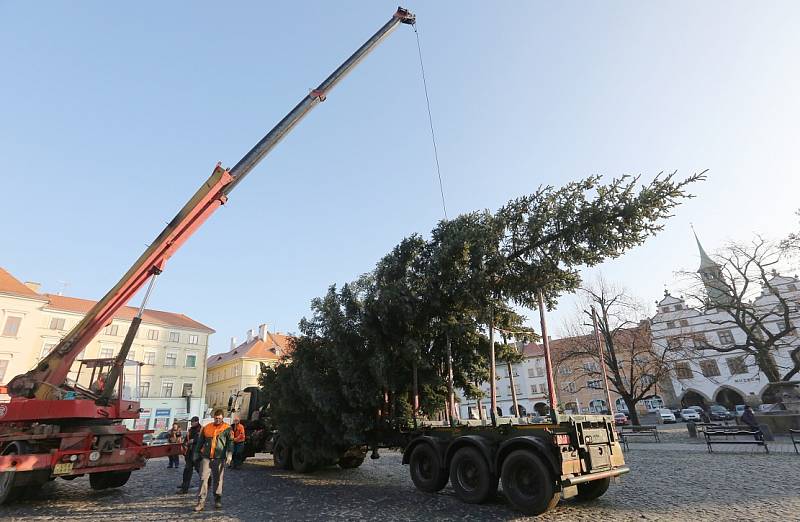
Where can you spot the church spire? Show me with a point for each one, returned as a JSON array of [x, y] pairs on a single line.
[[711, 273]]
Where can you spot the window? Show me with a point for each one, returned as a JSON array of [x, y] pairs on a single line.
[[3, 368], [12, 326], [683, 371], [698, 340], [792, 287], [530, 373], [673, 342], [594, 384], [665, 309], [166, 389], [564, 370], [191, 360], [174, 337], [709, 368], [647, 380], [725, 336], [539, 371], [736, 365], [543, 388], [670, 324], [131, 355], [684, 322], [171, 359], [187, 389], [144, 389], [106, 353], [678, 307], [150, 358], [112, 329], [193, 339], [47, 348], [152, 335], [57, 323], [591, 366], [533, 389], [570, 387]]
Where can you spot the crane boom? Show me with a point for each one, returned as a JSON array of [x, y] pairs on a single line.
[[44, 381]]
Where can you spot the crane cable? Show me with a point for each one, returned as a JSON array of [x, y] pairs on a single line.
[[430, 121]]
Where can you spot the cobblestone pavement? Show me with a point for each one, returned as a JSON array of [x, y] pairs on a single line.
[[668, 481]]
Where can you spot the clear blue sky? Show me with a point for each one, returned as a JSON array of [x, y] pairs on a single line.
[[111, 115]]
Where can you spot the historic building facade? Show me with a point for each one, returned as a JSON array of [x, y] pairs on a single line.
[[170, 347], [704, 376]]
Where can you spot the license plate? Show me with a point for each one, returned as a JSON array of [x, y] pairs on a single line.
[[62, 468]]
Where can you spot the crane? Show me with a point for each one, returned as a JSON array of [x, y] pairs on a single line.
[[54, 426]]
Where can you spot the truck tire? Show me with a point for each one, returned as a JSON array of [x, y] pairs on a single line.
[[350, 462], [470, 476], [528, 483], [282, 455], [109, 479], [592, 490], [300, 463], [426, 469], [8, 493]]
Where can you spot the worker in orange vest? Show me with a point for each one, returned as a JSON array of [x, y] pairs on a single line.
[[213, 450], [238, 442]]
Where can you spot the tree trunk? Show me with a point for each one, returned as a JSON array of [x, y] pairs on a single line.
[[513, 390], [767, 365], [632, 413], [492, 369], [451, 397]]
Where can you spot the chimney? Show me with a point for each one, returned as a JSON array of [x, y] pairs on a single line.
[[262, 332], [249, 335], [33, 286], [233, 343]]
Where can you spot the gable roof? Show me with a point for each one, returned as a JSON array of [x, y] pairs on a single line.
[[126, 313], [256, 348], [11, 285]]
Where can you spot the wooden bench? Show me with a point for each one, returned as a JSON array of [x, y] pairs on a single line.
[[795, 436], [728, 434], [644, 430]]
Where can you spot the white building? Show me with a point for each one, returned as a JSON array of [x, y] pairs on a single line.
[[705, 377], [530, 381]]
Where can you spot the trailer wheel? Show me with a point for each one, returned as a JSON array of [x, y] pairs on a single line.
[[300, 463], [528, 483], [592, 490], [470, 476], [282, 455], [108, 479], [350, 462], [8, 493], [426, 469]]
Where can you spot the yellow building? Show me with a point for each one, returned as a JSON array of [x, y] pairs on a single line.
[[20, 306], [171, 347], [231, 372]]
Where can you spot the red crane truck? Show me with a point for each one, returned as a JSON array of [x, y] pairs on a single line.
[[54, 426]]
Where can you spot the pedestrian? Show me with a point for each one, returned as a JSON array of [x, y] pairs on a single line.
[[191, 465], [214, 451], [238, 442], [175, 437], [750, 420], [704, 417]]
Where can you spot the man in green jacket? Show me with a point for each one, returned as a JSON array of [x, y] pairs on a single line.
[[213, 450]]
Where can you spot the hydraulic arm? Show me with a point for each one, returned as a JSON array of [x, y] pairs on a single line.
[[47, 378]]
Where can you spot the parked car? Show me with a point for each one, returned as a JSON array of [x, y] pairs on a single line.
[[161, 438], [698, 409], [690, 414], [620, 419], [666, 415], [719, 412]]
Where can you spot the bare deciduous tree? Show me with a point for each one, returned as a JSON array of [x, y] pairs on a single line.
[[634, 365], [737, 290]]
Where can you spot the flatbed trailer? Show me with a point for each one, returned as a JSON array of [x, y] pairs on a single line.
[[572, 457]]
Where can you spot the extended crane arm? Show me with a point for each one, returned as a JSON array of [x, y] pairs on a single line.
[[49, 375]]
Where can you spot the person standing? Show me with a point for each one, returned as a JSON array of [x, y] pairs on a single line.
[[175, 437], [191, 464], [213, 451], [238, 442]]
